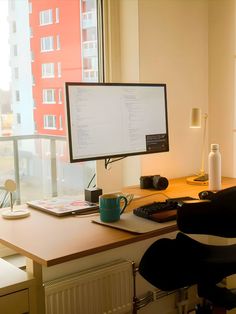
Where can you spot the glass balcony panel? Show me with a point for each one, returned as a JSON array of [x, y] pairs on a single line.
[[43, 172]]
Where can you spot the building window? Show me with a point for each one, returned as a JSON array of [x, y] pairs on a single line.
[[49, 96], [60, 123], [12, 5], [16, 73], [60, 96], [30, 8], [32, 56], [49, 122], [57, 15], [17, 95], [58, 42], [46, 43], [14, 27], [59, 69], [15, 50], [18, 118], [47, 70], [45, 17]]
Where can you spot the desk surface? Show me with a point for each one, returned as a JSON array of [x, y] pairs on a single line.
[[50, 240]]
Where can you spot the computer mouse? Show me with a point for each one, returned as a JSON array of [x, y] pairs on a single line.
[[206, 195]]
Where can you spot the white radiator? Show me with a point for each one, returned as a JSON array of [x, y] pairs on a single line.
[[101, 290]]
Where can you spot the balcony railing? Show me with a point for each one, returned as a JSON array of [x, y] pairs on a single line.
[[90, 48], [89, 19], [39, 165]]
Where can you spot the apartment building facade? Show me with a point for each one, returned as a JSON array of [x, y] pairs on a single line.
[[61, 42]]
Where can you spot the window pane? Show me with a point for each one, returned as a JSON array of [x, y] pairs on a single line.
[[44, 44]]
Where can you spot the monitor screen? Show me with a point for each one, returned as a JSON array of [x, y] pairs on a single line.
[[109, 120]]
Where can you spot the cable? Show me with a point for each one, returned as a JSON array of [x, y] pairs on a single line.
[[156, 193], [91, 181]]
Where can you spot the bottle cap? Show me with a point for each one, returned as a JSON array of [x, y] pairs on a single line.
[[215, 146]]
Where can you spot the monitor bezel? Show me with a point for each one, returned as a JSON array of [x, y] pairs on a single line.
[[72, 159]]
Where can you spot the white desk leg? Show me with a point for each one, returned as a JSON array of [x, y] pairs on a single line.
[[36, 270]]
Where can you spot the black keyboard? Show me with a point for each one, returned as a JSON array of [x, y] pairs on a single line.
[[161, 211]]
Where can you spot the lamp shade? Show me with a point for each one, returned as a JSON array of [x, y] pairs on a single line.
[[195, 121]]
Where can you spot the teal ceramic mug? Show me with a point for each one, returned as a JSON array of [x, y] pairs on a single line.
[[111, 206]]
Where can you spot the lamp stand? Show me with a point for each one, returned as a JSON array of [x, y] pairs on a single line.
[[202, 177]]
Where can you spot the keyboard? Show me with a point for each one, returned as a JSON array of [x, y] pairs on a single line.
[[161, 211]]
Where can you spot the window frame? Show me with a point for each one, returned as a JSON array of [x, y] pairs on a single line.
[[46, 17], [48, 70], [46, 122], [49, 96]]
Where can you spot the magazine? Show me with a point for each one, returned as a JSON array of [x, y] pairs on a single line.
[[61, 206]]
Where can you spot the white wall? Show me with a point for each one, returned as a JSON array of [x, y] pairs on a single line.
[[174, 49], [190, 46], [222, 80]]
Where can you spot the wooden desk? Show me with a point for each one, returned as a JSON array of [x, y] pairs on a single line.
[[47, 240]]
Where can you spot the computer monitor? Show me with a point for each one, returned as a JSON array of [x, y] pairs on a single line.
[[111, 120]]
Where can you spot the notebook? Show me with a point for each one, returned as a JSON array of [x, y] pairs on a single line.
[[61, 206]]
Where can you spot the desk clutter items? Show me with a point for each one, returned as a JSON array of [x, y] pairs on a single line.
[[112, 206], [62, 206], [10, 187], [153, 182]]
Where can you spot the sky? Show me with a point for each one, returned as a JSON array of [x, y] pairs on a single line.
[[4, 48]]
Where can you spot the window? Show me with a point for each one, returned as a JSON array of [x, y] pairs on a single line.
[[18, 118], [30, 8], [14, 27], [16, 73], [59, 69], [60, 123], [57, 15], [49, 96], [49, 121], [43, 55], [12, 4], [15, 53], [47, 70], [46, 43], [17, 95], [32, 55], [45, 17], [60, 96], [58, 42]]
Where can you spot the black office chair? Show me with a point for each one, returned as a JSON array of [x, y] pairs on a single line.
[[171, 264]]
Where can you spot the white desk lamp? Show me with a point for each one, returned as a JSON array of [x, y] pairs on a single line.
[[10, 187], [202, 177]]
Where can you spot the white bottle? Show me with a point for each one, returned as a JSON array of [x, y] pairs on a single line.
[[214, 168]]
